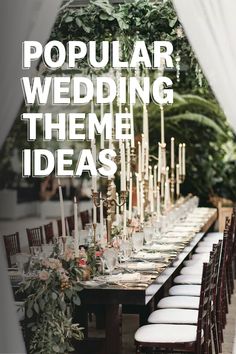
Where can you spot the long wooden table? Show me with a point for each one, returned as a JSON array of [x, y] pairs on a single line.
[[112, 298]]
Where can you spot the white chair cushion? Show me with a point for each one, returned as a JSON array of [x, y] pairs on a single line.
[[185, 290], [194, 263], [174, 316], [192, 270], [188, 279], [165, 333], [215, 235], [161, 279], [201, 249], [201, 256], [181, 302]]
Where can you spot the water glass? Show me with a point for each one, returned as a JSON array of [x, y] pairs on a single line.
[[110, 257], [137, 241], [148, 234]]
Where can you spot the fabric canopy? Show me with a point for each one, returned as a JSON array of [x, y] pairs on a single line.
[[210, 28], [20, 21]]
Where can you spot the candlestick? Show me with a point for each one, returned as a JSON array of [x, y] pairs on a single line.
[[124, 220], [158, 203], [102, 134], [143, 154], [141, 203], [162, 125], [76, 231], [172, 155], [130, 196], [63, 224], [112, 125], [146, 161], [151, 193]]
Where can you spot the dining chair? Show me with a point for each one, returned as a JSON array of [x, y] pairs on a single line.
[[70, 223], [35, 236], [49, 233], [85, 218], [181, 337], [12, 246]]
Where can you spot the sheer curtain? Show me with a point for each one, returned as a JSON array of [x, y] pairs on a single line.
[[210, 26], [19, 21]]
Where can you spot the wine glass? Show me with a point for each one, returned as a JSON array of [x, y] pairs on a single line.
[[110, 257], [126, 248], [148, 234], [137, 241]]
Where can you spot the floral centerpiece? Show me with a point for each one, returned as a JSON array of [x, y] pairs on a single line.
[[52, 293]]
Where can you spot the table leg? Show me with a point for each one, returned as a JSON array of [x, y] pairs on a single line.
[[113, 339]]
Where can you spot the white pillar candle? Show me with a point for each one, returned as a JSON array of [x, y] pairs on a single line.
[[172, 155], [102, 134], [180, 159], [162, 125], [130, 196], [138, 193], [132, 124], [76, 231], [183, 161], [63, 224], [122, 174]]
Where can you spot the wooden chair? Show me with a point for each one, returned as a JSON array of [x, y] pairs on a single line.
[[59, 227], [187, 338], [12, 246], [49, 233], [70, 223], [85, 219], [35, 236]]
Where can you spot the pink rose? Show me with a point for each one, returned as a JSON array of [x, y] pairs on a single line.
[[82, 262], [43, 275]]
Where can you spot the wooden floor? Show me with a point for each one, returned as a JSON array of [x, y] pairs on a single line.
[[131, 323]]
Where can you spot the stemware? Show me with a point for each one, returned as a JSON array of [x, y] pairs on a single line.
[[22, 261], [148, 234], [126, 248], [137, 241], [110, 257]]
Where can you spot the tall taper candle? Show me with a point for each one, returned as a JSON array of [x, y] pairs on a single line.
[[117, 207], [172, 155], [139, 161], [102, 134], [177, 181], [159, 163], [128, 162], [101, 215], [63, 224], [180, 159], [132, 124], [183, 161], [138, 193], [155, 178], [162, 125], [130, 195], [122, 173], [76, 231]]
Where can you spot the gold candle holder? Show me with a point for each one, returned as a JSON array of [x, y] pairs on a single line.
[[172, 185]]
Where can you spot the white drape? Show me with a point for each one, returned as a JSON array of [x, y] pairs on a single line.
[[19, 21], [210, 26]]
